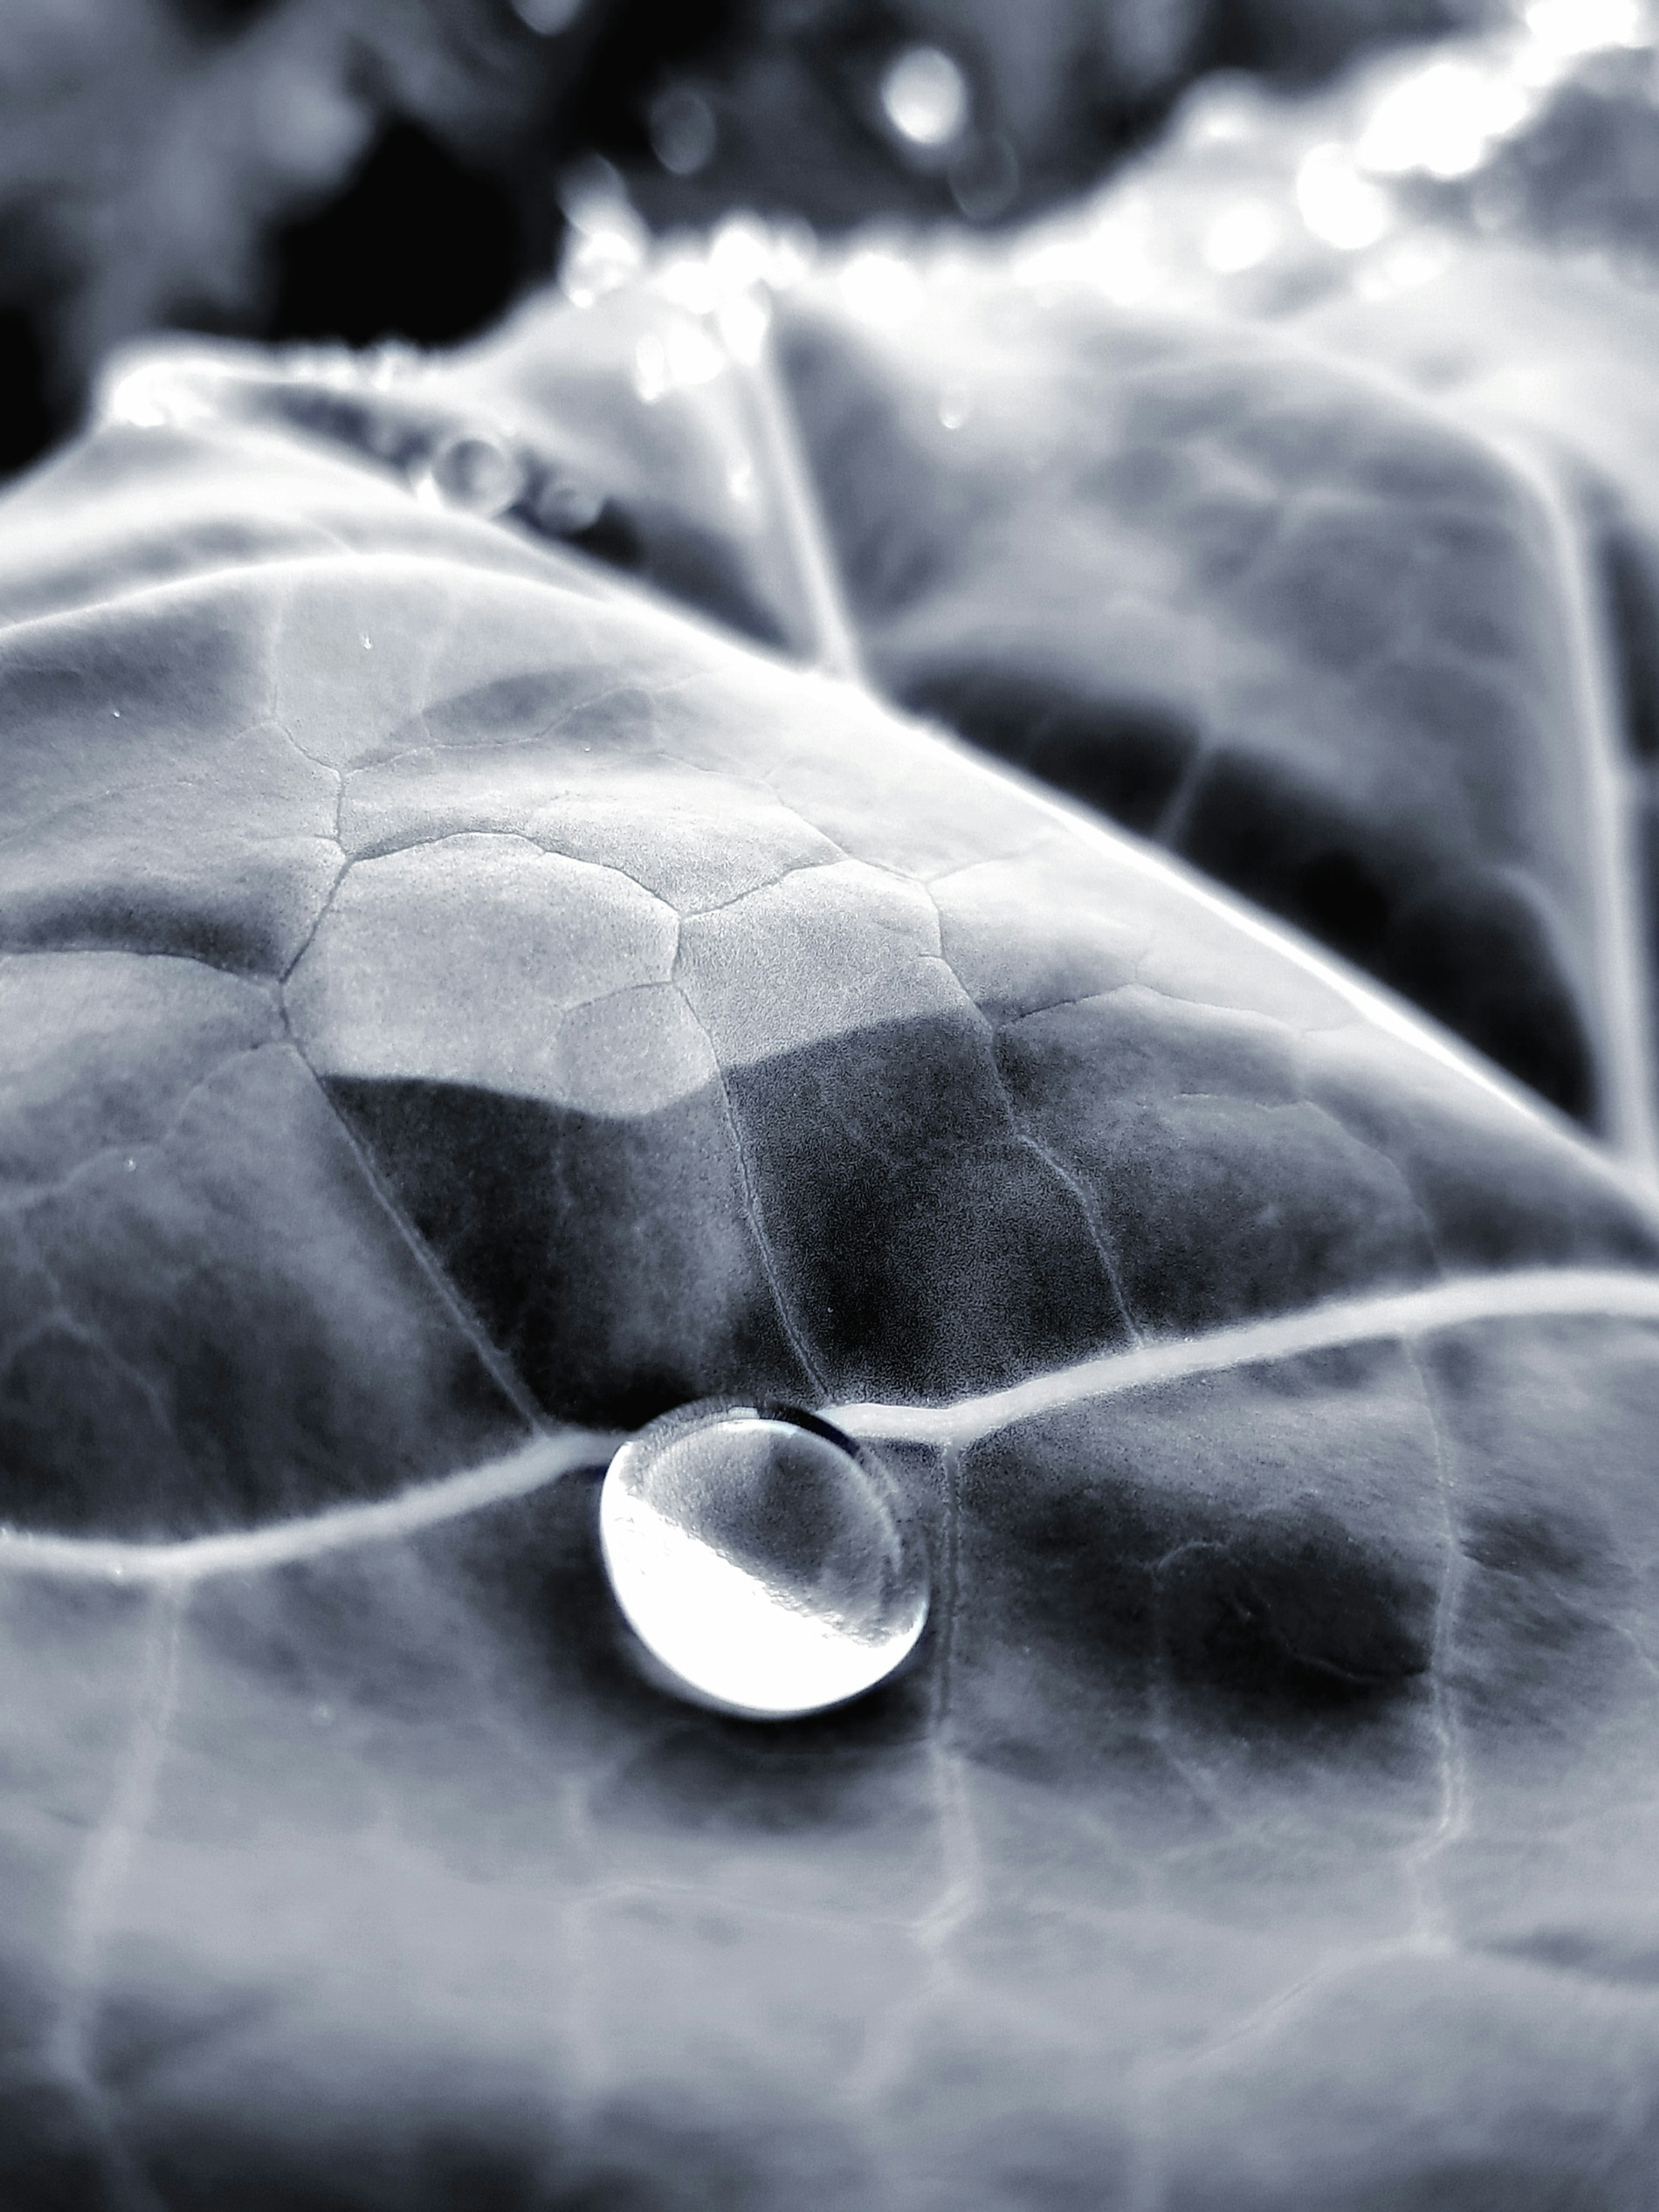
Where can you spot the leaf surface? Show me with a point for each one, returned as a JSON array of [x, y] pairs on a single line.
[[461, 1006]]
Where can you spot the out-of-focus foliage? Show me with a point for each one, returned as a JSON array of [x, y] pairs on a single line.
[[153, 152], [357, 168], [828, 108]]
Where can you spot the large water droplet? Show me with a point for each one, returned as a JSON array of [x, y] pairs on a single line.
[[926, 97], [471, 471], [761, 1557]]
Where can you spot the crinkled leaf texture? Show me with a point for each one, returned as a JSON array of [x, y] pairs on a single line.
[[456, 1006]]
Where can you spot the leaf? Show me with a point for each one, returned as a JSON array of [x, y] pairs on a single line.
[[462, 1005], [1334, 577]]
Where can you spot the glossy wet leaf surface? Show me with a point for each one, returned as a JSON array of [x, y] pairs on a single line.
[[463, 1006]]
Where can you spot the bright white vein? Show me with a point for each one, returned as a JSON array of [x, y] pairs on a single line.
[[342, 1529], [1527, 1294], [1535, 1293]]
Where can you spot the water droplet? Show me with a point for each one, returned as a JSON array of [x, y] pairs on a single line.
[[471, 471], [985, 178], [955, 404], [1443, 119], [880, 287], [564, 505], [608, 242], [1242, 237], [394, 361], [683, 130], [679, 356], [155, 395], [926, 97], [761, 1557], [650, 379], [743, 322], [547, 18], [1337, 203], [1582, 26]]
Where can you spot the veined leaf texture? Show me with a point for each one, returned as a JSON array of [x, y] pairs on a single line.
[[534, 893]]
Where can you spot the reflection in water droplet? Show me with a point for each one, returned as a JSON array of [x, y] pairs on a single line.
[[761, 1557], [955, 404], [925, 97], [472, 472], [683, 130]]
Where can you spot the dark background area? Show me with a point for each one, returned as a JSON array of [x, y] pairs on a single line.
[[354, 170]]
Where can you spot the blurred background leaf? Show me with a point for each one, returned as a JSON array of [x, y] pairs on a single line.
[[355, 169]]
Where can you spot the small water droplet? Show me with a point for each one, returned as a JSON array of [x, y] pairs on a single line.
[[683, 130], [116, 711], [608, 242], [1336, 202], [1243, 236], [132, 1167], [547, 18], [743, 321], [925, 98], [955, 404], [156, 395], [564, 504], [880, 287], [394, 361], [366, 643], [650, 379], [761, 1557], [473, 472], [985, 178]]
